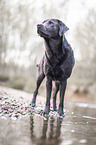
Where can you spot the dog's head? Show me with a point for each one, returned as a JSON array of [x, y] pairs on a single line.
[[51, 28]]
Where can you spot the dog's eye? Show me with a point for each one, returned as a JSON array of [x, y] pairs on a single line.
[[50, 22]]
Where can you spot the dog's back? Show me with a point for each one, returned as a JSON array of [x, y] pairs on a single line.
[[69, 60]]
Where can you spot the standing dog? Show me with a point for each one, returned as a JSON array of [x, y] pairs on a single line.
[[57, 63]]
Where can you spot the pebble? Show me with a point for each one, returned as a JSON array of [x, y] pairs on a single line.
[[12, 107], [83, 141], [1, 97], [15, 109], [5, 97]]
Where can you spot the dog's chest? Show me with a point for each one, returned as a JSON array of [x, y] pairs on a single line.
[[54, 71]]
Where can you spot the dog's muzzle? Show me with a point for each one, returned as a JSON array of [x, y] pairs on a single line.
[[41, 30], [39, 25]]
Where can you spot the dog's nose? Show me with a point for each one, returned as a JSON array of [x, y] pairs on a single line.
[[39, 25]]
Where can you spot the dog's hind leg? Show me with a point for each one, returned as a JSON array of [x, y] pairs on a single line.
[[55, 95], [62, 93], [38, 82]]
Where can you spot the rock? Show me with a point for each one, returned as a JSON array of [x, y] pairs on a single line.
[[16, 115], [1, 97], [5, 97], [81, 90]]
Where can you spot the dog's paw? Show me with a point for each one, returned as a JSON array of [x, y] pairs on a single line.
[[61, 113], [54, 108], [32, 104], [46, 111]]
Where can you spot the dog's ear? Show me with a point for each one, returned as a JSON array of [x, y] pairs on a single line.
[[45, 20], [65, 45], [62, 28]]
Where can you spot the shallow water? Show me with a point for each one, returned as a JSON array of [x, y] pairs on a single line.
[[78, 127]]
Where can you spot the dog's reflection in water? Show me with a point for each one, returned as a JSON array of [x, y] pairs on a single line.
[[47, 133]]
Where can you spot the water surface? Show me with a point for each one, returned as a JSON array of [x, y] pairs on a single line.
[[78, 127]]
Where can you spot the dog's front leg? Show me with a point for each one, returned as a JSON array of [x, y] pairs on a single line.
[[55, 95], [48, 91], [62, 93]]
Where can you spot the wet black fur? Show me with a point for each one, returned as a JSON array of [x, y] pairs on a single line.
[[57, 63]]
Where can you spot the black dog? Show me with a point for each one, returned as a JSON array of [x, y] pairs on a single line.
[[57, 62]]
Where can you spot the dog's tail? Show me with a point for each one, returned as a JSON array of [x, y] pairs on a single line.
[[40, 66]]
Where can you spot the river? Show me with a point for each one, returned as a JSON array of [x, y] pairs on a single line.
[[78, 127]]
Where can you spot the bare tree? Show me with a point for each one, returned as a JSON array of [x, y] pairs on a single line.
[[86, 37], [3, 33], [18, 39]]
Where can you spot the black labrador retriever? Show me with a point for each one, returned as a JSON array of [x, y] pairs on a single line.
[[57, 63]]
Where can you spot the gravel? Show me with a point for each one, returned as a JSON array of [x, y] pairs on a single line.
[[16, 104]]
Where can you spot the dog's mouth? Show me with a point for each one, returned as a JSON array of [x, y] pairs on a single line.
[[41, 32]]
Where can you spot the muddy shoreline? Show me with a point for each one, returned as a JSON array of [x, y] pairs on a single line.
[[16, 103]]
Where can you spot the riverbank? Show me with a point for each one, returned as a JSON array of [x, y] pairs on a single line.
[[16, 103]]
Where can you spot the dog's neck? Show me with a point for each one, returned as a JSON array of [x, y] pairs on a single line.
[[53, 46]]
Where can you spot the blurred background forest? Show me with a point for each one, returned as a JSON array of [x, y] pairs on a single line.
[[21, 48]]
